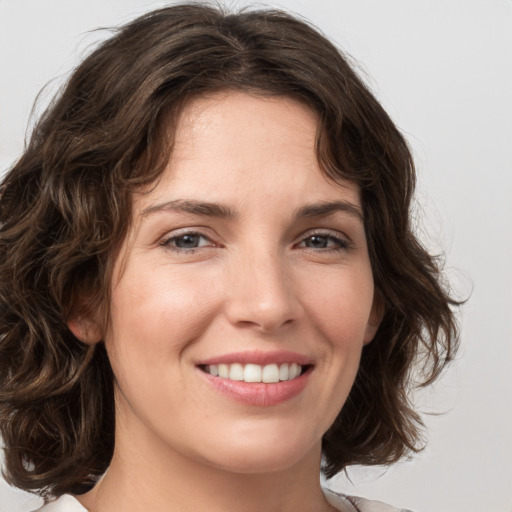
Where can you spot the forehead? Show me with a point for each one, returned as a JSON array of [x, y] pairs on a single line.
[[235, 145], [225, 112]]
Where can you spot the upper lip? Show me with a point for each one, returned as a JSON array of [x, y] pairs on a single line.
[[259, 357]]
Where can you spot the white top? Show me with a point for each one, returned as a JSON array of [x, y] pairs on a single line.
[[67, 503]]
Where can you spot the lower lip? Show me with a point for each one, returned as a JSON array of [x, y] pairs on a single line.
[[259, 393]]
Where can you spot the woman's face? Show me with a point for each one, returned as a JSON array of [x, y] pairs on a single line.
[[243, 261]]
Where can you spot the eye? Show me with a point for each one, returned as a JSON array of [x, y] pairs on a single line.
[[324, 241], [188, 241]]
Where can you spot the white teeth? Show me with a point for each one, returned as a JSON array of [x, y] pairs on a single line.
[[270, 373], [284, 373], [294, 371], [252, 373], [236, 372], [224, 371]]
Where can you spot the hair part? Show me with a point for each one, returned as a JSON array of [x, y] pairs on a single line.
[[66, 206]]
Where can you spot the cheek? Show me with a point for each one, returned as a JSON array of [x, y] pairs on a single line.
[[341, 304], [159, 313], [339, 312]]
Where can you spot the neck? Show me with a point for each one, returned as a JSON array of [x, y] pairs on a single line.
[[170, 482]]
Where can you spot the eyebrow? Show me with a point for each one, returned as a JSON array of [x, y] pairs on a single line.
[[328, 208], [192, 206], [221, 211]]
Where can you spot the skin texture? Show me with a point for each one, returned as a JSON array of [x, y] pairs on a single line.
[[257, 281]]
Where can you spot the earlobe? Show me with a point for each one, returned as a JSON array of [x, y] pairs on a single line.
[[86, 330], [375, 319]]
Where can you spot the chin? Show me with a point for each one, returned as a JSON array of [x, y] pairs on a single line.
[[259, 457]]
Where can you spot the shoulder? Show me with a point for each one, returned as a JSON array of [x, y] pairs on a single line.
[[65, 503], [353, 504]]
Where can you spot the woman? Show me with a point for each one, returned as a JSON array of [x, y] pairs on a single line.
[[208, 276]]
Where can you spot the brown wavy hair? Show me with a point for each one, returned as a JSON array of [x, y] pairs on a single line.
[[65, 208]]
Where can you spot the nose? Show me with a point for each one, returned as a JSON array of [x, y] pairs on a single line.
[[263, 292]]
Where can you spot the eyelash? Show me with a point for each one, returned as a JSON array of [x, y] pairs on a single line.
[[340, 244], [168, 242]]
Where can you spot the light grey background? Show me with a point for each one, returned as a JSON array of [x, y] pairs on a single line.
[[442, 68]]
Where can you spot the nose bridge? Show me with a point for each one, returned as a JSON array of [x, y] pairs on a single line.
[[262, 292]]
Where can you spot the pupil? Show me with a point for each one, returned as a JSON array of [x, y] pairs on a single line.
[[187, 241], [317, 241]]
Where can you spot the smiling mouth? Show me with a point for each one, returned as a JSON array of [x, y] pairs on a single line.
[[268, 374]]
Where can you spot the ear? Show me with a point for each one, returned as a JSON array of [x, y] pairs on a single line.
[[375, 319], [87, 330]]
